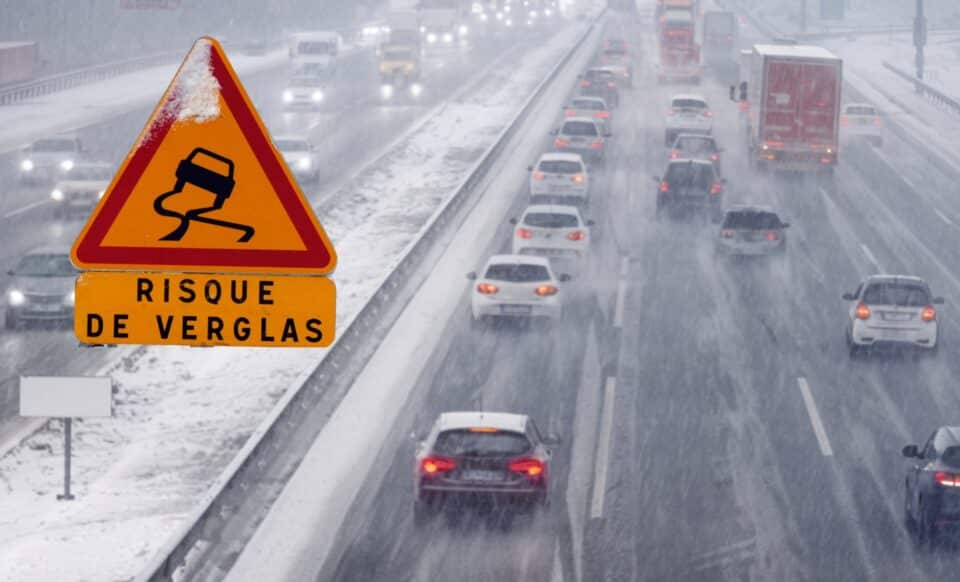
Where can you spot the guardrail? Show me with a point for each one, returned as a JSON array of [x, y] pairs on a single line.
[[926, 89], [356, 340]]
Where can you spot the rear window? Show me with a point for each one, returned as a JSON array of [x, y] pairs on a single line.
[[587, 128], [515, 273], [752, 220], [688, 104], [550, 220], [861, 110], [588, 104], [599, 75], [696, 145], [560, 167], [464, 442], [896, 293], [690, 175]]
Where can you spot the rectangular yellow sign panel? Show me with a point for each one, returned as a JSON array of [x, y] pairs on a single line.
[[204, 310]]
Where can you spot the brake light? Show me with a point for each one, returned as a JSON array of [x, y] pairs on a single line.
[[603, 114], [538, 176], [546, 290], [577, 179], [844, 121], [487, 288], [928, 313], [708, 113], [826, 160], [744, 105], [597, 144], [664, 186], [727, 233], [717, 188], [877, 122], [524, 233], [674, 154], [529, 466], [611, 85], [772, 236], [576, 235], [863, 312], [571, 113], [714, 157], [585, 83], [433, 465], [947, 479], [484, 429], [561, 143]]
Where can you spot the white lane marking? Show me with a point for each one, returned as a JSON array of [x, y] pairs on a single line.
[[943, 217], [23, 209], [603, 452], [621, 293], [873, 259], [815, 420]]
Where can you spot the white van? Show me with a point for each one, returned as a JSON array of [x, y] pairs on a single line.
[[314, 54]]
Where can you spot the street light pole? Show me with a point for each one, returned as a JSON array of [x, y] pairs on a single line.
[[803, 15], [920, 36]]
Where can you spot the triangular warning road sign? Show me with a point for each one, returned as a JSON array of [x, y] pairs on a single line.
[[204, 189]]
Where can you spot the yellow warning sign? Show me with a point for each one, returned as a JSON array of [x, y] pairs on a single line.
[[204, 310]]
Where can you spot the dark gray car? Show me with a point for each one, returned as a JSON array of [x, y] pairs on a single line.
[[42, 287]]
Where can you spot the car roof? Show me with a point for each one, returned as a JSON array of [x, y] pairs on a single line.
[[690, 161], [799, 51], [887, 278], [561, 157], [688, 96], [518, 260], [590, 98], [49, 250], [501, 420], [580, 118], [88, 164], [602, 69], [552, 209], [751, 208]]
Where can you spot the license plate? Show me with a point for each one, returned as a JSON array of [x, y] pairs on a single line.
[[478, 475], [516, 309], [896, 316], [45, 308]]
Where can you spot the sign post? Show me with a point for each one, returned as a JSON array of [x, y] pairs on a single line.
[[66, 398]]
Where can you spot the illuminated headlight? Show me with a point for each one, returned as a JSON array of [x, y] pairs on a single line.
[[463, 30], [16, 297], [423, 29], [499, 15], [386, 91], [316, 96], [303, 164], [26, 165], [766, 147], [548, 12], [533, 14], [416, 89], [484, 17], [288, 96], [509, 22], [432, 38], [71, 298], [385, 29], [506, 8], [100, 194], [57, 195], [66, 165], [447, 37]]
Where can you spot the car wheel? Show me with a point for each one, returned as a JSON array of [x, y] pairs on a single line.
[[10, 320], [476, 323], [422, 514], [926, 536], [908, 521]]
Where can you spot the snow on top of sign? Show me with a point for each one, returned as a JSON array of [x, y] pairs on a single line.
[[196, 95]]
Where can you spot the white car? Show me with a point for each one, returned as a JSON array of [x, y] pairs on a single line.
[[892, 310], [300, 156], [517, 286], [51, 159], [551, 231], [861, 120], [688, 114], [304, 92], [752, 230], [82, 191], [584, 136], [594, 107], [559, 177]]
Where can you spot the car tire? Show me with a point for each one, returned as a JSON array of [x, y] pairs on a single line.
[[926, 536], [908, 522], [422, 514], [10, 320]]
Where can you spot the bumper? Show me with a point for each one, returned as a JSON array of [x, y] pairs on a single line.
[[33, 313], [484, 307], [541, 189], [751, 248], [863, 334], [520, 497], [589, 154], [547, 250]]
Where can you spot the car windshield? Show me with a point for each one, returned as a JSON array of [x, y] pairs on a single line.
[[293, 145], [899, 293], [45, 265], [690, 175], [54, 145], [580, 128], [696, 145], [688, 104], [550, 220], [306, 81], [588, 104], [560, 167], [951, 456], [752, 221], [316, 47], [861, 110], [398, 54], [92, 173], [473, 443], [517, 273]]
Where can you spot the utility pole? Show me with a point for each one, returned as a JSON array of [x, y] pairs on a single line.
[[920, 36], [803, 15]]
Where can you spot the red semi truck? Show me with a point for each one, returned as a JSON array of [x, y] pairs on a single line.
[[679, 51], [18, 62], [793, 106]]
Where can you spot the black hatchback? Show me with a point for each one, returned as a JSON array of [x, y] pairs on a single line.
[[932, 502], [690, 184]]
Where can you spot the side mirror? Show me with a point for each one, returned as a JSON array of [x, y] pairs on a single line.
[[552, 439], [513, 221], [786, 225], [591, 222], [472, 276], [911, 451], [938, 300], [10, 272], [849, 296], [563, 277]]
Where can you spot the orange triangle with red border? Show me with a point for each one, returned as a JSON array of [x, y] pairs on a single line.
[[204, 189]]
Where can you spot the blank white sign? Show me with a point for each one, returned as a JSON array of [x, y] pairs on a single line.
[[77, 396]]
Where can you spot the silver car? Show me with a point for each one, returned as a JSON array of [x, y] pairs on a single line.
[[752, 230], [300, 156], [41, 288], [49, 160]]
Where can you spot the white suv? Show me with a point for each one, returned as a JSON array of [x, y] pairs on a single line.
[[688, 114], [558, 177], [892, 310]]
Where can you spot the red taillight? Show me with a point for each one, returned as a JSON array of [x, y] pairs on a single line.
[[744, 105], [671, 113], [708, 113], [528, 466], [571, 113], [727, 233], [585, 83], [577, 235], [714, 157], [826, 160], [561, 143], [577, 179], [863, 312], [433, 465], [597, 144], [602, 114], [538, 176], [487, 288], [546, 290], [928, 313], [772, 236], [717, 188], [524, 233], [947, 479], [844, 121], [674, 155], [611, 85], [664, 186], [877, 122]]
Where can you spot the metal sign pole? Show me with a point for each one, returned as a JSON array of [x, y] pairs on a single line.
[[67, 430]]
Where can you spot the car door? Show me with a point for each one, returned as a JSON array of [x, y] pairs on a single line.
[[915, 474], [852, 308]]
